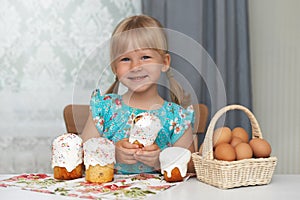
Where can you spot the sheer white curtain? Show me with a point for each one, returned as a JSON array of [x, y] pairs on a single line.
[[43, 46]]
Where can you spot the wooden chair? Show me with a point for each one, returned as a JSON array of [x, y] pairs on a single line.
[[75, 117], [201, 117]]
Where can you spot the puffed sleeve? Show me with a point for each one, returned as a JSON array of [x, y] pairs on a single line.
[[98, 107], [182, 120]]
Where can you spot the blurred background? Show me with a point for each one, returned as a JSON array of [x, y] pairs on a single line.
[[43, 45]]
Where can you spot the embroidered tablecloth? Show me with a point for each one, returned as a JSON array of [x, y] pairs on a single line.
[[136, 186]]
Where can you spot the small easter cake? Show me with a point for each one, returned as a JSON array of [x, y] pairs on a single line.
[[67, 157], [99, 159], [144, 129], [174, 162]]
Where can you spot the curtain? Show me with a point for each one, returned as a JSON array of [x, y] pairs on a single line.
[[49, 57], [221, 27]]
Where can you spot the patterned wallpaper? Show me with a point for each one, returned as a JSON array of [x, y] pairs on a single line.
[[50, 57]]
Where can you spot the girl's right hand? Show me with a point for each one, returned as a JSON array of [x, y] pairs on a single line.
[[125, 151]]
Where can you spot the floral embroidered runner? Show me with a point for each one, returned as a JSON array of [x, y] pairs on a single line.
[[137, 186]]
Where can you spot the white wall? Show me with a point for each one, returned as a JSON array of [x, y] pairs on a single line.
[[275, 57]]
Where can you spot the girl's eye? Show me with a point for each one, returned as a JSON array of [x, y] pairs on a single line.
[[125, 59], [146, 57]]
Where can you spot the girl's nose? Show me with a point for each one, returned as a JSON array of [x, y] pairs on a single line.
[[136, 66]]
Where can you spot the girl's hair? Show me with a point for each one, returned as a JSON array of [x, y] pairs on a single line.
[[138, 32]]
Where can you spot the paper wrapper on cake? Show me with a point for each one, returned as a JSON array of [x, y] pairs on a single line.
[[144, 129], [99, 159], [174, 162], [67, 157]]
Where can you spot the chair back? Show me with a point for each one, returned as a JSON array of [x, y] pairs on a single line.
[[75, 117], [201, 117]]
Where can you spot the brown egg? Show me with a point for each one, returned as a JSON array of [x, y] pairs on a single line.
[[235, 141], [261, 148], [224, 151], [221, 135], [243, 151], [241, 133]]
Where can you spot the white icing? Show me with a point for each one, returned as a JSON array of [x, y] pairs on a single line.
[[98, 151], [145, 130], [67, 151], [172, 157]]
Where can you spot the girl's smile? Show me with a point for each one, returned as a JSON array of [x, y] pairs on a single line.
[[138, 78]]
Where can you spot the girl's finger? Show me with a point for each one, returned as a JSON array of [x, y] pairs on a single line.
[[152, 147]]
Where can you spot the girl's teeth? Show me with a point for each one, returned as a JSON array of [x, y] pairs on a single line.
[[138, 78]]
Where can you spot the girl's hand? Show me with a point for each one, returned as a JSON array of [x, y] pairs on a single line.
[[125, 152], [149, 155]]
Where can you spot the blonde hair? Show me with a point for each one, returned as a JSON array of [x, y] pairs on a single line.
[[142, 31]]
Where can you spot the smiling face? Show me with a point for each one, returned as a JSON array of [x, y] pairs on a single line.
[[140, 70], [138, 52]]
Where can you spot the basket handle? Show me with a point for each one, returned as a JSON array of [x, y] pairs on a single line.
[[208, 140]]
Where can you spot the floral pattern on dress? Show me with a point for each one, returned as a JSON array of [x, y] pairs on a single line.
[[113, 119]]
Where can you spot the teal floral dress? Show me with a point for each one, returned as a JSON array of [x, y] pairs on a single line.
[[113, 119]]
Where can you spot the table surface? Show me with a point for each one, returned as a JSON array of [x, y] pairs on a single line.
[[281, 187]]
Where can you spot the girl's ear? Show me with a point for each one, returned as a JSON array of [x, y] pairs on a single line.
[[113, 68], [166, 61]]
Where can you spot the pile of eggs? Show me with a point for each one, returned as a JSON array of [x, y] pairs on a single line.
[[230, 145]]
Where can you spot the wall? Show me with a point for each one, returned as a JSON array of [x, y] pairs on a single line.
[[50, 56], [275, 57]]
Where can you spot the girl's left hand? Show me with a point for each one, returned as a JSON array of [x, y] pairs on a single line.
[[149, 155]]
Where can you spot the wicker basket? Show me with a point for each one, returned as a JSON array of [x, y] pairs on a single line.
[[230, 174]]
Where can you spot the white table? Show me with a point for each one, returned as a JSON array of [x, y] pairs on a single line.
[[281, 187]]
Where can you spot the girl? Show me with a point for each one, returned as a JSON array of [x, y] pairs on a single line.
[[138, 57]]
